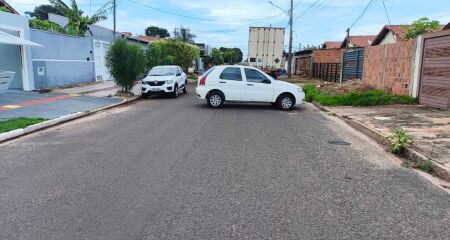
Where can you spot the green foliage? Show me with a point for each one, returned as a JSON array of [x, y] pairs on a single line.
[[172, 52], [368, 98], [126, 62], [216, 57], [78, 24], [4, 9], [45, 25], [155, 31], [231, 55], [426, 166], [41, 12], [17, 123], [421, 26], [398, 140]]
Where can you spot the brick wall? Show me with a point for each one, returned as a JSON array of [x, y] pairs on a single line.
[[328, 55], [389, 67]]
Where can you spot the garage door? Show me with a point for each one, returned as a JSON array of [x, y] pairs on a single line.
[[101, 71], [435, 75]]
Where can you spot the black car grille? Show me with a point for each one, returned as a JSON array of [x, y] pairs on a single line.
[[156, 83]]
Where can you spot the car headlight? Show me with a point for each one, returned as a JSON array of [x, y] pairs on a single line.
[[169, 81]]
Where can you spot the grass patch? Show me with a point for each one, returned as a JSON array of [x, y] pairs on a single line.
[[426, 166], [368, 98], [16, 123]]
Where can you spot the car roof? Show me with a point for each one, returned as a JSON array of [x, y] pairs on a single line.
[[165, 66]]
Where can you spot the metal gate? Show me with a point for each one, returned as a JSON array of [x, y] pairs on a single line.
[[435, 73], [353, 64]]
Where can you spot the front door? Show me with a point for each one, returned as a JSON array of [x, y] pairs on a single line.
[[232, 84], [259, 87]]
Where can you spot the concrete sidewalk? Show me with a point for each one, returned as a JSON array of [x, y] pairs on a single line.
[[429, 128], [97, 89]]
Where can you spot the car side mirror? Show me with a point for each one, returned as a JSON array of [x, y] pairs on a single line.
[[266, 81]]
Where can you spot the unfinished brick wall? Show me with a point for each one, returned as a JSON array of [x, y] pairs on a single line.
[[328, 55], [389, 67]]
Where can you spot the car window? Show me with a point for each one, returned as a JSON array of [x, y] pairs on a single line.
[[162, 71], [254, 75], [231, 73], [208, 72]]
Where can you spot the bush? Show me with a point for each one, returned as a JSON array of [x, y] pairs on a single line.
[[368, 98], [126, 62], [399, 139], [45, 25], [171, 52]]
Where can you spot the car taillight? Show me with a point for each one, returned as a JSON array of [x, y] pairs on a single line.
[[203, 81]]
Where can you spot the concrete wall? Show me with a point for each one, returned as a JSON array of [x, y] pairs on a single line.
[[388, 39], [63, 60], [17, 25], [328, 55], [391, 67]]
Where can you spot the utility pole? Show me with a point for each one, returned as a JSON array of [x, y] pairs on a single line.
[[291, 13], [114, 13], [348, 38]]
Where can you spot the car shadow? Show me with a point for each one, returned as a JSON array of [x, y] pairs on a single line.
[[247, 107]]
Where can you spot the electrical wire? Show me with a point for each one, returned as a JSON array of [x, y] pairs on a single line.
[[362, 14]]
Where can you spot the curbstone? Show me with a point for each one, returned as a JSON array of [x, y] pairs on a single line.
[[410, 154], [52, 122]]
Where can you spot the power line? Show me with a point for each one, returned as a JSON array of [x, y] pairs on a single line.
[[387, 15], [199, 18], [362, 14]]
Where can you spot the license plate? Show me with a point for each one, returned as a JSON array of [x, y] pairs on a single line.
[[155, 89]]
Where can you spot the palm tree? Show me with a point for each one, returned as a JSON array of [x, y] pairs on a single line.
[[78, 24]]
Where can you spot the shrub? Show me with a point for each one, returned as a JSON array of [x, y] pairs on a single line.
[[310, 92], [4, 9], [45, 25], [172, 51], [126, 62]]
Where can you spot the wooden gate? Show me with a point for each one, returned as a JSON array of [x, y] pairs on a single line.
[[353, 65], [435, 72]]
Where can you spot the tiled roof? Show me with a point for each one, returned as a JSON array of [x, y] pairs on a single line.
[[397, 30], [360, 40], [332, 44], [147, 38], [447, 27]]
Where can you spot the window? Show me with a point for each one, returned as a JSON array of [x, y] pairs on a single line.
[[254, 76], [252, 59], [231, 73]]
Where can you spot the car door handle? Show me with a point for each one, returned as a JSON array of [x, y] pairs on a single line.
[[222, 82], [249, 84]]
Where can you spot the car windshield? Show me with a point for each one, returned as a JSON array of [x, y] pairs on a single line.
[[162, 71]]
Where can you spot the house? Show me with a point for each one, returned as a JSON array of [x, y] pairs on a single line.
[[358, 41], [332, 44], [102, 38], [447, 26], [16, 67], [144, 41], [3, 3], [302, 62], [390, 34], [205, 52]]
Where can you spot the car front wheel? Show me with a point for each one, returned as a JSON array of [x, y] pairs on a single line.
[[285, 102], [175, 91], [215, 100], [185, 88]]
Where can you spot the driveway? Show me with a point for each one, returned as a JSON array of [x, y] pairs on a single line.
[[175, 169]]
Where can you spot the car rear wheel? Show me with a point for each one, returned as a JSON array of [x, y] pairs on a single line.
[[215, 99], [185, 88], [285, 102]]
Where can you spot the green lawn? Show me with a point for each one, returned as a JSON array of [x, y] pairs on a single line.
[[368, 98], [16, 123]]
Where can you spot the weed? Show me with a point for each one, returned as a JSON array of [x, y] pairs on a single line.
[[398, 140], [17, 123], [426, 166]]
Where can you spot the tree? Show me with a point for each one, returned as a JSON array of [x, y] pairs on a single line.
[[45, 25], [216, 57], [184, 34], [155, 31], [172, 51], [421, 26], [4, 9], [41, 12], [231, 55], [78, 24], [126, 62]]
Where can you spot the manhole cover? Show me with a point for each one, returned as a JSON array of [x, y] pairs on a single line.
[[337, 142]]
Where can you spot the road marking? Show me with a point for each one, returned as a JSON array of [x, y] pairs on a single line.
[[11, 106], [34, 102]]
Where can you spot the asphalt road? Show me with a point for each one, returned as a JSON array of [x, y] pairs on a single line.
[[174, 169]]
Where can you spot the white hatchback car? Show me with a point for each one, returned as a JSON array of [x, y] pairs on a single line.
[[164, 79], [246, 84]]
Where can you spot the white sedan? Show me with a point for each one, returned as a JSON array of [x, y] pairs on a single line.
[[246, 84]]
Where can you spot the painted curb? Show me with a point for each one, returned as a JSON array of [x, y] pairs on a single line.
[[440, 170], [52, 122]]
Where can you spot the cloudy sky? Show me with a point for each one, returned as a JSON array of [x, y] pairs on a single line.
[[225, 22]]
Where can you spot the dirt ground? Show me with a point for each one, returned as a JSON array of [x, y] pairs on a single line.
[[429, 128]]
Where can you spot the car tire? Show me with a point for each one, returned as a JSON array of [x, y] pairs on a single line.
[[215, 99], [145, 95], [185, 88], [175, 91], [286, 102]]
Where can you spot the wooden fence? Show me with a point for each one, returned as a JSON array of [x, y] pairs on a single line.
[[327, 71]]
